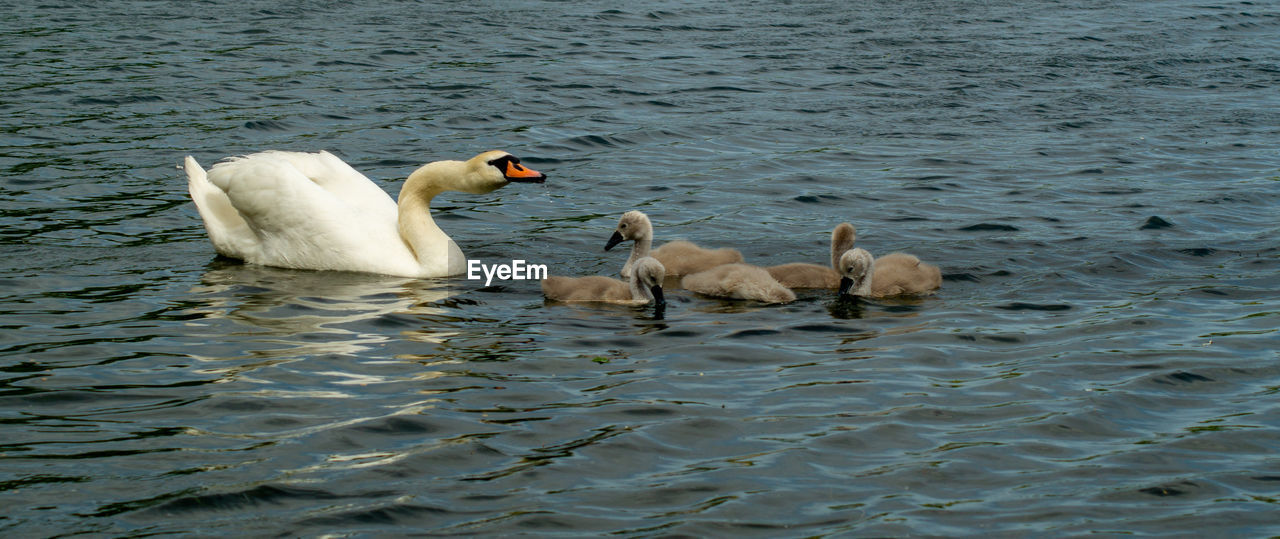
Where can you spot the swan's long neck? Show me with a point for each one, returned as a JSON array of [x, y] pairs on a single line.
[[638, 289], [842, 239], [864, 285], [639, 249], [836, 251], [418, 230]]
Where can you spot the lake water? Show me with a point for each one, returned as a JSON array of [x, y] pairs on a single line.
[[1098, 181]]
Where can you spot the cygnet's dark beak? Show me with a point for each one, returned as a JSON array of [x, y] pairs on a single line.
[[658, 301], [516, 172], [615, 239], [846, 284]]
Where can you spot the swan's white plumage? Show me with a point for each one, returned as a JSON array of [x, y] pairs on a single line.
[[313, 211]]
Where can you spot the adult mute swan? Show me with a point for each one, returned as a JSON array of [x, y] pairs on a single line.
[[313, 211], [896, 274], [678, 257], [645, 285], [804, 275]]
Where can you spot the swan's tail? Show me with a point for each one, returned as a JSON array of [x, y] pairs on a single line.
[[196, 176], [227, 229]]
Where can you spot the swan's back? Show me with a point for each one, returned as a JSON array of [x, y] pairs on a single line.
[[899, 274], [683, 258], [803, 275], [300, 210], [738, 281], [322, 168]]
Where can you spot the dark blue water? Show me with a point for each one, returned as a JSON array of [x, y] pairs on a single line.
[[1098, 182]]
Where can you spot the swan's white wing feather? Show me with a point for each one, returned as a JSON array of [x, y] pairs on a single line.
[[230, 234], [336, 176], [314, 216]]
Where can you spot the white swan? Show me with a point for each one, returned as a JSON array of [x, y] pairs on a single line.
[[804, 275], [893, 274], [313, 211], [678, 257], [645, 286]]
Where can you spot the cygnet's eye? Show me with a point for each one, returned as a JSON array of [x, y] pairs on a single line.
[[623, 225]]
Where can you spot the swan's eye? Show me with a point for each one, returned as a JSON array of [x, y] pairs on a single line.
[[501, 162]]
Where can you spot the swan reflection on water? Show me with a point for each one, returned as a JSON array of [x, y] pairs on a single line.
[[252, 316], [308, 313]]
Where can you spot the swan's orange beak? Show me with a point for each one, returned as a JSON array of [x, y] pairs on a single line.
[[518, 173]]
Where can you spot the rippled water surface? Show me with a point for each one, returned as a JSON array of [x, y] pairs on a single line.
[[1098, 182]]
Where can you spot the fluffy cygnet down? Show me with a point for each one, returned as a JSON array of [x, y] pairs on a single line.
[[644, 286], [804, 275], [895, 274], [678, 257], [738, 281]]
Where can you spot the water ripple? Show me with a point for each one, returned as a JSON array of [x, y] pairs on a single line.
[[1099, 195]]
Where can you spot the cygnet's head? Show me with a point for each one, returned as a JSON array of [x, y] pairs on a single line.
[[633, 225], [855, 267], [650, 274]]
